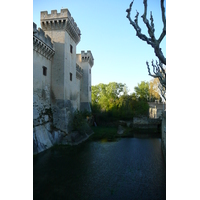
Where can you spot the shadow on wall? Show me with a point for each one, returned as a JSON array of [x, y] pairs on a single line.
[[53, 97]]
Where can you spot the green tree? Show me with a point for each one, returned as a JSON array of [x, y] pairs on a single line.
[[107, 95], [112, 102], [142, 90]]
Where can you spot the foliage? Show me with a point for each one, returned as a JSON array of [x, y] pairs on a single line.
[[79, 122], [111, 102], [108, 133], [154, 93], [142, 90], [100, 133], [106, 95]]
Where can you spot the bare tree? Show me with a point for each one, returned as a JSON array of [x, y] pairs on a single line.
[[158, 69], [160, 73]]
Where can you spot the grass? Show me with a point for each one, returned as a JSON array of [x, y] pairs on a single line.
[[109, 133], [101, 132]]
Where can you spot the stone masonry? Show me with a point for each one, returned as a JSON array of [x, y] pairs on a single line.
[[61, 78]]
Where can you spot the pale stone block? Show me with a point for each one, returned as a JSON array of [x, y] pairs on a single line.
[[46, 118]]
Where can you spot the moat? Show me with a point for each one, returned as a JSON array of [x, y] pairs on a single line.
[[129, 168]]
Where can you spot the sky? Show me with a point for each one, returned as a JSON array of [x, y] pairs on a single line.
[[119, 55]]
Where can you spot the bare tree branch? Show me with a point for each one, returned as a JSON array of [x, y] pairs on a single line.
[[161, 67], [152, 40], [146, 21], [164, 22], [162, 91], [158, 73], [136, 26]]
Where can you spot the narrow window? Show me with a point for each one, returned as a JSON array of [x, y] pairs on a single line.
[[44, 71], [70, 76], [71, 48], [90, 88], [89, 71]]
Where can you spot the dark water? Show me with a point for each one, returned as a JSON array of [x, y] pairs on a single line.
[[127, 169]]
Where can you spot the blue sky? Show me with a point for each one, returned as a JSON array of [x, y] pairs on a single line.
[[119, 55]]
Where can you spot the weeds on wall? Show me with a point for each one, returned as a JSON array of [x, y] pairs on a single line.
[[80, 122]]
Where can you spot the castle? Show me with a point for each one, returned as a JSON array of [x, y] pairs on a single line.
[[61, 78]]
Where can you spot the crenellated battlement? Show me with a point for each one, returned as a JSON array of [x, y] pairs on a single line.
[[40, 34], [42, 43], [60, 21], [64, 13], [87, 57]]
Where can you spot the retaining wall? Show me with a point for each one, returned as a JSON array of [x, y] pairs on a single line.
[[145, 122], [163, 134]]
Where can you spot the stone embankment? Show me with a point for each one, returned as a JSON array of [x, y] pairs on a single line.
[[46, 135], [145, 122], [163, 135], [141, 122], [140, 126]]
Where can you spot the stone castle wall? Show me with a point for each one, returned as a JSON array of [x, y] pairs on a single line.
[[57, 78], [64, 32], [86, 61], [43, 52]]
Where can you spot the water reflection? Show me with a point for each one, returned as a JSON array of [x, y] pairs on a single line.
[[125, 169]]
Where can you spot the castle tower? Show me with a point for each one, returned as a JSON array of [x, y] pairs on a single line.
[[65, 35], [86, 61]]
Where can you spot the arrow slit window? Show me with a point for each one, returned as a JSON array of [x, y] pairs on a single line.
[[44, 71]]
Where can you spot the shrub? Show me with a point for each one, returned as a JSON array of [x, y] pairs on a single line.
[[79, 122]]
